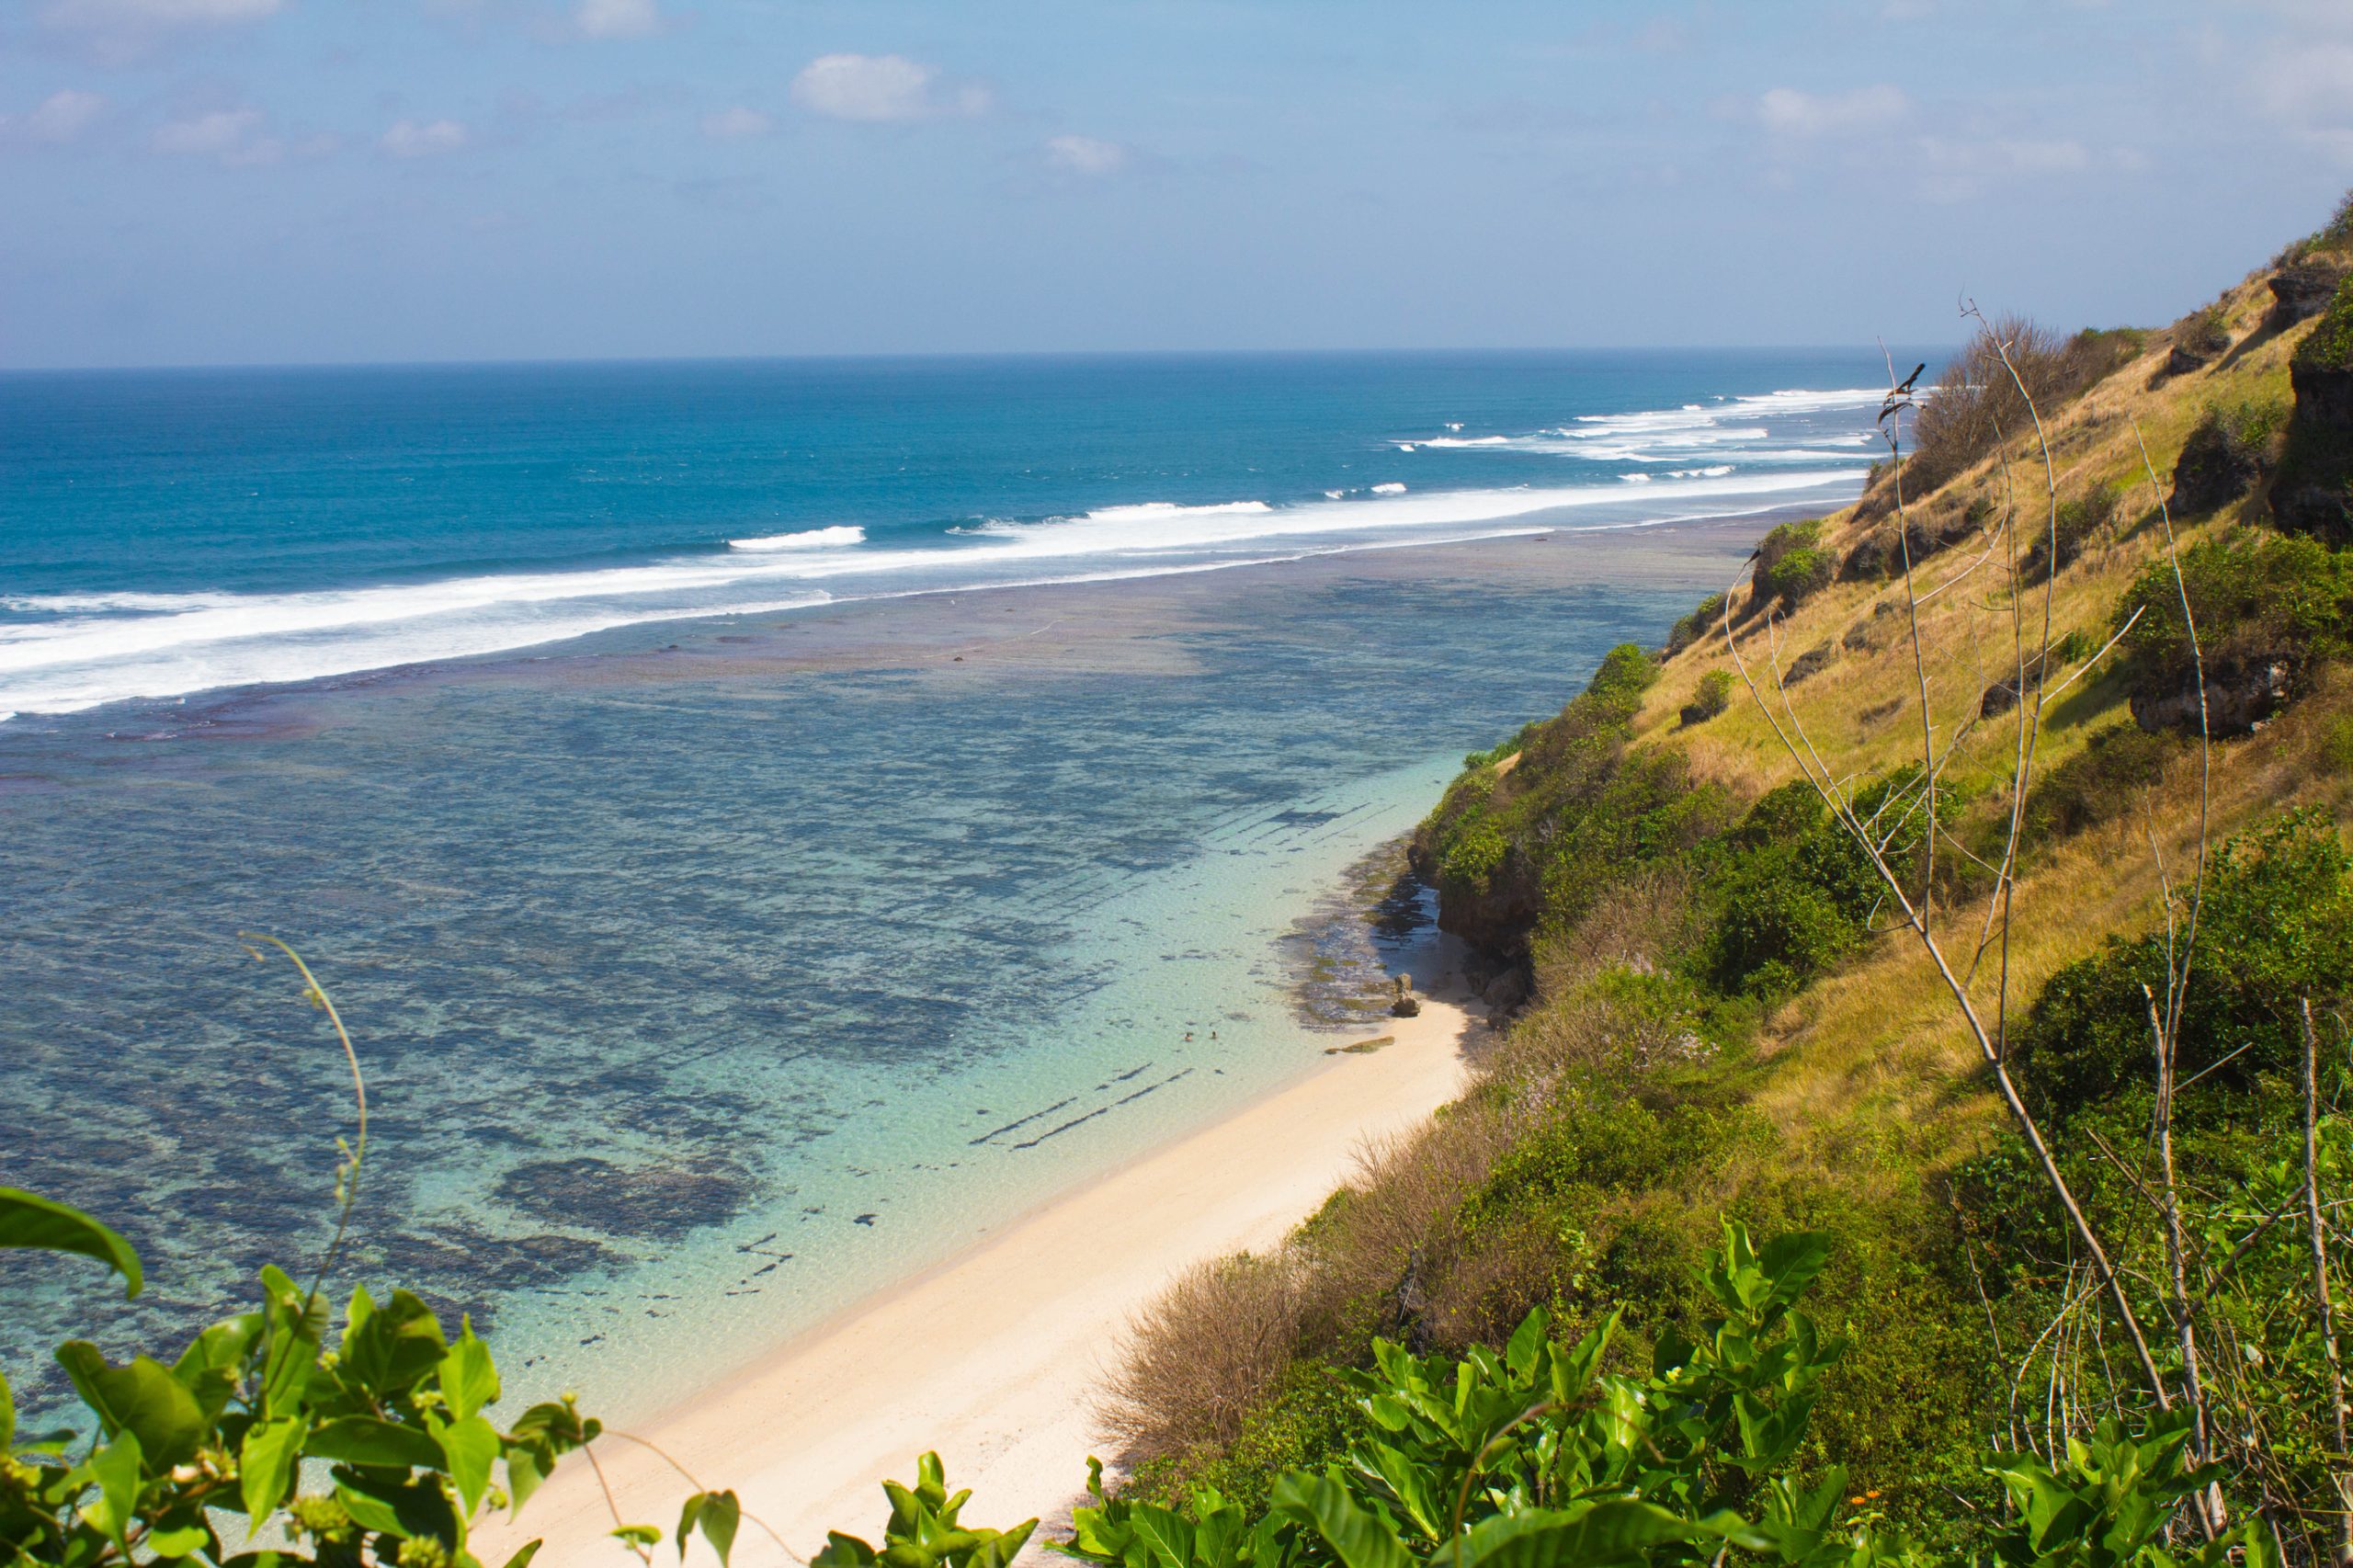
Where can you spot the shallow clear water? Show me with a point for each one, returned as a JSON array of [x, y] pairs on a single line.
[[704, 991]]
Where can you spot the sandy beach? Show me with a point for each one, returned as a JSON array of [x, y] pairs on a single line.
[[993, 1357]]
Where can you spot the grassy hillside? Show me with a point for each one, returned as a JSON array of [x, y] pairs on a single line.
[[1720, 1007]]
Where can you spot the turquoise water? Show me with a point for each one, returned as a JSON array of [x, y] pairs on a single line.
[[712, 972]]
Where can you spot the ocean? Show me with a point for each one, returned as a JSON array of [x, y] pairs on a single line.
[[769, 822]]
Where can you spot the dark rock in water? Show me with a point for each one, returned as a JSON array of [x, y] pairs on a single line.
[[646, 1201], [1407, 1004], [2300, 292], [2240, 695], [2213, 470], [1813, 661]]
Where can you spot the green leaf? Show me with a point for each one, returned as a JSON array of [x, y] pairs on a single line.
[[143, 1398], [1790, 1263], [364, 1439], [522, 1559], [8, 1418], [638, 1535], [176, 1542], [297, 1323], [468, 1378], [116, 1468], [1527, 1344], [26, 1220], [471, 1448], [372, 1514], [266, 1464], [1358, 1537], [843, 1552], [718, 1513]]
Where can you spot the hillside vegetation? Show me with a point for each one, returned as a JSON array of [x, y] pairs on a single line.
[[1701, 892]]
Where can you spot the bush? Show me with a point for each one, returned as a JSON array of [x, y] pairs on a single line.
[[2261, 602], [1472, 761], [1205, 1355], [2099, 784], [1975, 404], [1705, 617], [1712, 696], [2203, 333], [1791, 566], [2275, 928], [2329, 344], [1791, 899]]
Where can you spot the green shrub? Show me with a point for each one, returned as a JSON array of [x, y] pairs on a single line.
[[2110, 776], [2275, 928], [1791, 900], [2329, 346], [1473, 847], [2255, 597], [1705, 617], [1791, 566], [1475, 760], [1712, 696]]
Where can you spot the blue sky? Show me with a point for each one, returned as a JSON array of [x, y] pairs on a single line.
[[240, 181]]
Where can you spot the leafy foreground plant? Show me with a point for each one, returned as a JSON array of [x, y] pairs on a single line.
[[1537, 1456]]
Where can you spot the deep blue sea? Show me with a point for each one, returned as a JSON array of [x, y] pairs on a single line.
[[722, 942]]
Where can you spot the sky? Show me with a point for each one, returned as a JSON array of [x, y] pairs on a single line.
[[298, 181]]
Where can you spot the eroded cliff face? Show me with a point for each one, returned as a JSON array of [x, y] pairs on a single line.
[[2313, 494]]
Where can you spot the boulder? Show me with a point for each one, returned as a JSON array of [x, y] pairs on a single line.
[[1505, 992], [1404, 1003], [2240, 695], [1814, 661], [2181, 361], [2214, 468], [2300, 292]]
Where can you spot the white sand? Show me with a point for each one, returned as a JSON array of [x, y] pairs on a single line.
[[993, 1357]]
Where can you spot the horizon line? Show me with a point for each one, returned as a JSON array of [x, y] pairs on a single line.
[[926, 356]]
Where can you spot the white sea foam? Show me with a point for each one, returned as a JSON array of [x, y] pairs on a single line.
[[810, 539], [74, 651]]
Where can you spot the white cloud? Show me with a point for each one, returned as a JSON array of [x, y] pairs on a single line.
[[617, 18], [62, 115], [231, 135], [735, 124], [1953, 170], [1086, 155], [413, 139], [1786, 111], [876, 87]]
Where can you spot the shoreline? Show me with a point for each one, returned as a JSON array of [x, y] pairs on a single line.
[[993, 1356]]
